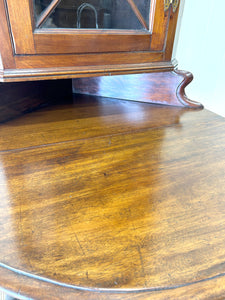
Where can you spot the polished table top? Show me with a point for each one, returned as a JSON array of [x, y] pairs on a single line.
[[110, 199]]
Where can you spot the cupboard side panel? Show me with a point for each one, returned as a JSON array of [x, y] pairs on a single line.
[[21, 25], [173, 30], [159, 25], [6, 51]]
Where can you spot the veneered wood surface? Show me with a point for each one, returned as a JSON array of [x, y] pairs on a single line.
[[126, 199], [159, 28], [53, 61], [6, 51], [171, 31], [158, 88], [21, 26], [74, 41]]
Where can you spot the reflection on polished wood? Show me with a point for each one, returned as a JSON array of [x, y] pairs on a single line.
[[110, 199], [157, 88]]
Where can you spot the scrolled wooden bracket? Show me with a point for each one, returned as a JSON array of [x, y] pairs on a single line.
[[180, 91], [167, 88]]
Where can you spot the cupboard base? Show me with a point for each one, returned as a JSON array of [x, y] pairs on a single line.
[[167, 88]]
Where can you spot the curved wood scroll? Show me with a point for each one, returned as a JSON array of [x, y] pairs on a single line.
[[166, 88]]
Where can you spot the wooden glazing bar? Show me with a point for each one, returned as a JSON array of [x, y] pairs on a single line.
[[45, 14], [137, 13]]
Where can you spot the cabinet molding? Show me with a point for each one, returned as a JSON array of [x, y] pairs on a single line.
[[76, 72]]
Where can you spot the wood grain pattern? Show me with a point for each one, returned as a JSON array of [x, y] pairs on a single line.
[[21, 26], [76, 42], [88, 122], [159, 28], [159, 88], [6, 51], [171, 31], [109, 199], [97, 59]]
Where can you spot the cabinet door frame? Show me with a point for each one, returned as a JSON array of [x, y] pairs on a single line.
[[28, 40]]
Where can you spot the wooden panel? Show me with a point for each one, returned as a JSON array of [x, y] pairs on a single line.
[[38, 67], [159, 28], [171, 32], [114, 212], [75, 42], [21, 25], [6, 51], [94, 59]]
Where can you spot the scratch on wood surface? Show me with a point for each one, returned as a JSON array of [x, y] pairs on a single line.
[[79, 244], [142, 263]]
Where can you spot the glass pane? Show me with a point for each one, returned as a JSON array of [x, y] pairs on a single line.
[[101, 14]]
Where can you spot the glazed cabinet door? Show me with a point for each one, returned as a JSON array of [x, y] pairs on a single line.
[[93, 26]]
